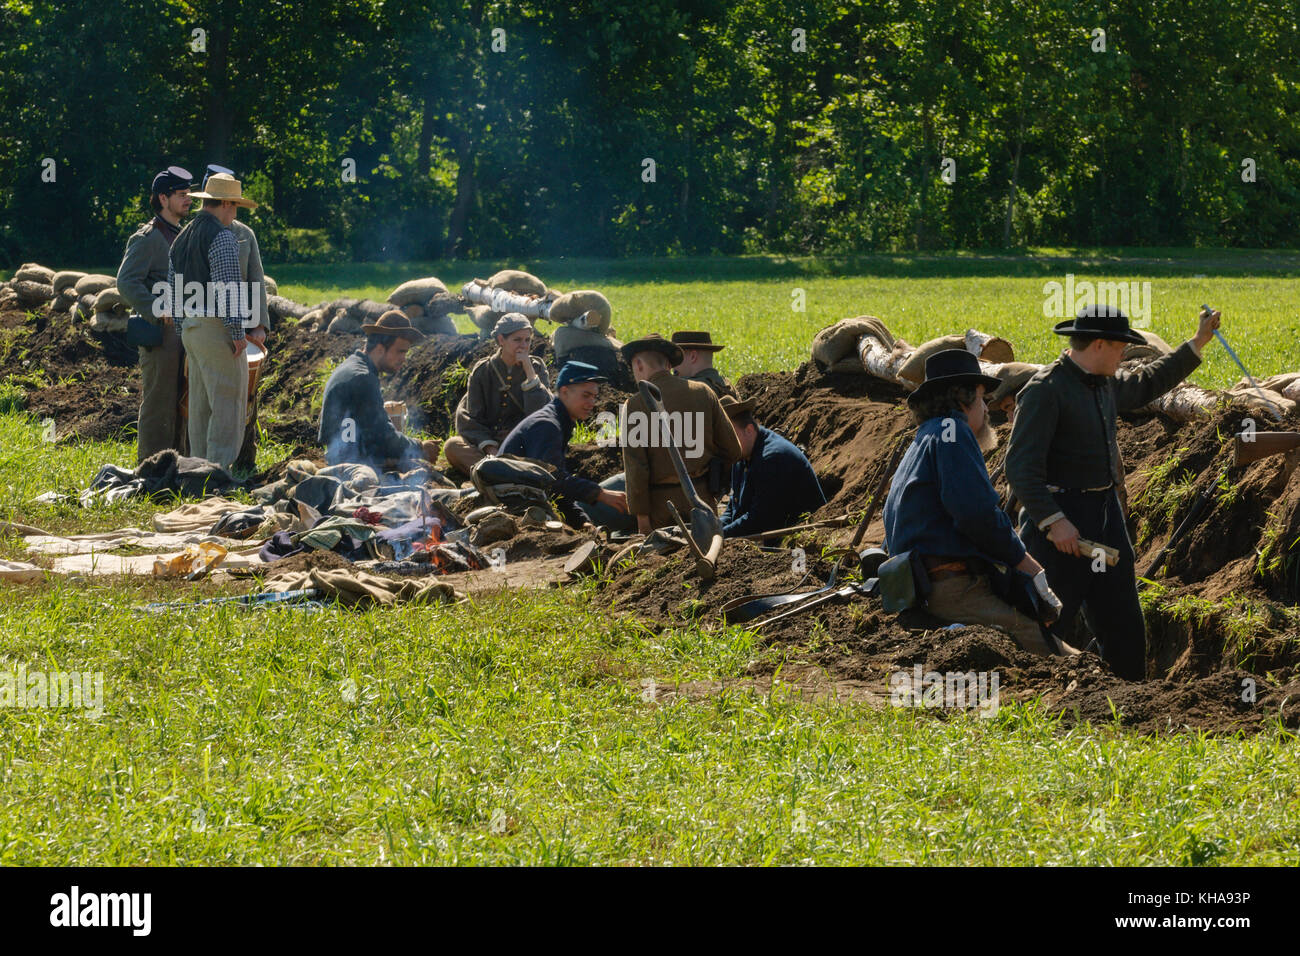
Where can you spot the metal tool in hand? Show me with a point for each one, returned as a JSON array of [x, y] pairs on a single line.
[[1276, 412], [704, 534]]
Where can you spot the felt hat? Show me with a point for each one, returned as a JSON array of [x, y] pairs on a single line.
[[1100, 322], [510, 323], [653, 343], [393, 322], [575, 373], [951, 367], [224, 187], [696, 340], [734, 407]]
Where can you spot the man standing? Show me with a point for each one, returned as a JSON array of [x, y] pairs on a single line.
[[502, 390], [353, 424], [1064, 466], [773, 484], [707, 441], [942, 507], [212, 331], [544, 435], [144, 265], [697, 361]]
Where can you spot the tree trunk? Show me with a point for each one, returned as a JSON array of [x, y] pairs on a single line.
[[466, 188], [219, 112], [1011, 190]]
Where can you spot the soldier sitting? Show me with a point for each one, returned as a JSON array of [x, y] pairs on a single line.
[[697, 361], [773, 484], [502, 390]]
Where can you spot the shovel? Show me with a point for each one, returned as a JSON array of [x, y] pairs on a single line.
[[867, 589], [704, 533], [743, 609]]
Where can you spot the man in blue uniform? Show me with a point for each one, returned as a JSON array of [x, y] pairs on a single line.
[[942, 506], [544, 436], [773, 485]]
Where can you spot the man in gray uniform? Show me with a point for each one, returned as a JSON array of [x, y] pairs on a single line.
[[143, 264]]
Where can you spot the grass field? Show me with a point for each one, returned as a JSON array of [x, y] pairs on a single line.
[[514, 729]]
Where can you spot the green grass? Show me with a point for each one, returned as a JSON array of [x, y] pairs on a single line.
[[513, 729]]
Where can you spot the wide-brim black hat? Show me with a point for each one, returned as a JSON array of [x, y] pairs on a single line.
[[1100, 322], [653, 343], [951, 367]]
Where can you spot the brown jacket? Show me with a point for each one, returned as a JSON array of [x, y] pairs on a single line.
[[489, 409], [651, 477]]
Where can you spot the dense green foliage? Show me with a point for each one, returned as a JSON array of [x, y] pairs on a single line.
[[774, 126]]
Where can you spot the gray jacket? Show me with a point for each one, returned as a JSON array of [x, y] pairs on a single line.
[[250, 270], [143, 264], [1064, 431]]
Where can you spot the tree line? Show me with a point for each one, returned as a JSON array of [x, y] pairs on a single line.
[[395, 129]]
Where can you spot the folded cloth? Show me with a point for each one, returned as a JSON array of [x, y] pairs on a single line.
[[122, 538], [357, 478], [196, 514], [356, 588], [321, 492], [397, 509], [20, 572]]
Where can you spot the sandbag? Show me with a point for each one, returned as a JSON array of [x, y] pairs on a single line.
[[272, 287], [65, 280], [1153, 347], [513, 280], [108, 322], [31, 294], [417, 291], [109, 300], [581, 345], [414, 311], [282, 308], [483, 317], [1014, 377], [987, 348], [435, 324], [312, 320], [841, 339], [65, 300], [85, 306], [573, 304], [368, 310], [34, 272], [1287, 384], [94, 284], [344, 324]]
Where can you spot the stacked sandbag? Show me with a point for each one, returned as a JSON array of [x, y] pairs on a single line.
[[417, 292], [34, 272], [65, 289], [109, 311], [87, 289], [282, 308], [29, 294], [835, 348], [272, 287], [573, 344], [484, 318], [986, 348], [588, 302], [514, 280], [347, 316]]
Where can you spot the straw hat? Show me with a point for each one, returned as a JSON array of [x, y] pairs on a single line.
[[226, 188]]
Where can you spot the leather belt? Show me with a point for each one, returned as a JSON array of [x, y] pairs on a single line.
[[940, 568], [1056, 491]]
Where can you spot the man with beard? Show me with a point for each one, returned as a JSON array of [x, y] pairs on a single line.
[[942, 506], [144, 264]]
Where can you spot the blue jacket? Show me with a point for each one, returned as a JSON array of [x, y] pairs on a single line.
[[352, 392], [941, 501], [773, 489], [544, 435]]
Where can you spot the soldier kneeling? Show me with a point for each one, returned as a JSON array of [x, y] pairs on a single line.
[[942, 506]]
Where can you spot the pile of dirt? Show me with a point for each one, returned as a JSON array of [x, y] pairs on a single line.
[[857, 641], [69, 376], [307, 561]]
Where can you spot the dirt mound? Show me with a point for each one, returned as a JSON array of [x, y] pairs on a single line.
[[68, 375], [857, 641]]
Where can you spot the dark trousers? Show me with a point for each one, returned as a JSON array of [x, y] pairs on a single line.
[[1109, 597]]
